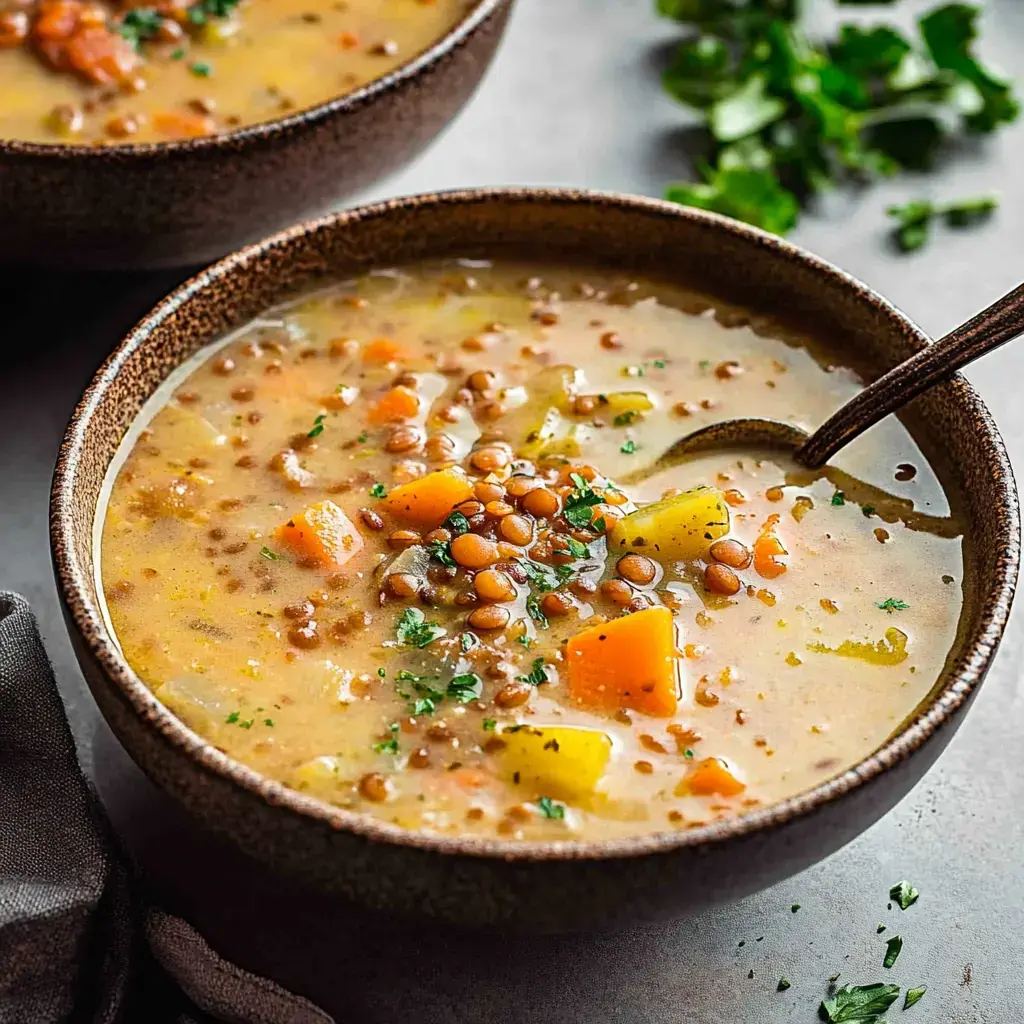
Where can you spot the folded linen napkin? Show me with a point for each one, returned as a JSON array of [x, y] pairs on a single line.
[[78, 940]]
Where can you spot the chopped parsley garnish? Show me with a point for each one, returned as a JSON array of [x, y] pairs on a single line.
[[790, 116], [688, 754], [859, 1003], [268, 722], [903, 894], [139, 25], [892, 604], [549, 809], [265, 552], [247, 724], [457, 523], [414, 631], [362, 438], [783, 984], [625, 418], [914, 220], [839, 498], [465, 687], [318, 423], [490, 724], [704, 364], [579, 501], [178, 54], [423, 706], [233, 717], [628, 447], [600, 523], [381, 673], [880, 929], [526, 641], [537, 674], [793, 909], [892, 951], [389, 746], [442, 551], [659, 364], [405, 676], [545, 577], [378, 490], [203, 70], [201, 12], [914, 995], [468, 641], [533, 609], [576, 548]]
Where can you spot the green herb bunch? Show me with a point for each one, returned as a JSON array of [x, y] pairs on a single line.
[[790, 117]]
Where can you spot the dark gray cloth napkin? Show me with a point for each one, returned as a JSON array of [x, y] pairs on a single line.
[[78, 941]]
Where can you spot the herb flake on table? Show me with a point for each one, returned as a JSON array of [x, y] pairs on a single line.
[[915, 219], [787, 115], [893, 948], [783, 984], [903, 894], [862, 1004], [914, 995]]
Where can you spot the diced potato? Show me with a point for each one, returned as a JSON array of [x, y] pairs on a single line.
[[627, 404], [197, 700], [629, 662], [562, 762], [190, 430], [428, 500], [682, 527], [319, 777], [538, 421], [323, 534]]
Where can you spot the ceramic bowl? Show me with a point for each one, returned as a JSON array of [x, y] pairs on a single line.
[[494, 882], [188, 202]]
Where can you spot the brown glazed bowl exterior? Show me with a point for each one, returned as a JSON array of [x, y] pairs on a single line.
[[187, 202], [547, 886]]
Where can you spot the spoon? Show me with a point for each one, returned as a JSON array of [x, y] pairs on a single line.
[[999, 323]]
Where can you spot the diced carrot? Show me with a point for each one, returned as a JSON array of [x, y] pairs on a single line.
[[348, 40], [176, 125], [711, 777], [428, 500], [101, 56], [400, 403], [383, 350], [322, 533], [628, 662], [58, 19], [768, 551]]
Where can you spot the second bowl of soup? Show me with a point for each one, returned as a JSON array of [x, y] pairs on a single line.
[[370, 561], [169, 133]]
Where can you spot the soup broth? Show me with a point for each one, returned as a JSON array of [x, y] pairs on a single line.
[[98, 72], [379, 545]]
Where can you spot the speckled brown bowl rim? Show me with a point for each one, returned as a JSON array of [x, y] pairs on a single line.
[[963, 675], [306, 117]]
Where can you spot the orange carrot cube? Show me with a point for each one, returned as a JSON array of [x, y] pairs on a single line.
[[427, 501], [711, 777], [321, 533], [400, 403], [629, 662], [383, 350]]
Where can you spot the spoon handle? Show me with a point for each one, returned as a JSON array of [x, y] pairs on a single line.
[[999, 323]]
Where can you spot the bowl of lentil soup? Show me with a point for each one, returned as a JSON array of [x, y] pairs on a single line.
[[162, 134], [347, 567]]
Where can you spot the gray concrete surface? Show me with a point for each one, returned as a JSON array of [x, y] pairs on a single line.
[[574, 99]]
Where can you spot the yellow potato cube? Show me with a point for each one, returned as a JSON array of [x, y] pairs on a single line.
[[682, 527], [562, 762]]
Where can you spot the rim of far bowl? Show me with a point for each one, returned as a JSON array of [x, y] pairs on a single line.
[[963, 676], [478, 13]]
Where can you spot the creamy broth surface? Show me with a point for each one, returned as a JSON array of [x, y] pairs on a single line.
[[95, 73], [805, 621]]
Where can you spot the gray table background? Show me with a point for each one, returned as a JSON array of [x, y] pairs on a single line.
[[573, 99]]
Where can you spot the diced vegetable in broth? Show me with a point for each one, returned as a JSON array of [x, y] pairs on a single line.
[[376, 547]]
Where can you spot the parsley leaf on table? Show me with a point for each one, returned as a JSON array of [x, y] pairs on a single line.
[[893, 948], [903, 894], [860, 1003], [914, 219], [787, 115]]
